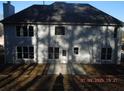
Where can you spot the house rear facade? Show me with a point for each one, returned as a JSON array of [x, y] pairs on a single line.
[[62, 33]]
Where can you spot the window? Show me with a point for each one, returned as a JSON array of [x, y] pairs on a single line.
[[18, 30], [103, 53], [122, 47], [25, 52], [19, 52], [50, 52], [64, 52], [76, 50], [56, 53], [24, 31], [31, 32], [60, 30], [53, 53], [106, 53], [31, 52]]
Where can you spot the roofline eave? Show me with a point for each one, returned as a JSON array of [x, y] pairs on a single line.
[[65, 23]]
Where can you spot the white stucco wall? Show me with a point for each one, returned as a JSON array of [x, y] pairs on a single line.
[[89, 40]]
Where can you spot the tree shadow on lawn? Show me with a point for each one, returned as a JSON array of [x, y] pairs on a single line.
[[109, 69]]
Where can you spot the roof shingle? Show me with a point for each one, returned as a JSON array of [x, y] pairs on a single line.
[[62, 12]]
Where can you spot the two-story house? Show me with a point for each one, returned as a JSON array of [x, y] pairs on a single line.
[[61, 32]]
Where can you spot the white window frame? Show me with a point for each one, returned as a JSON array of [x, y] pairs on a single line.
[[64, 50], [78, 50], [21, 31], [60, 34], [106, 54], [53, 54], [24, 52]]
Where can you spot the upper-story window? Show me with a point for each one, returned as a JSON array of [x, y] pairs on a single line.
[[60, 30], [31, 32], [18, 31], [24, 31]]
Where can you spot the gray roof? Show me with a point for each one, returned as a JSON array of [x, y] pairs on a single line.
[[62, 12]]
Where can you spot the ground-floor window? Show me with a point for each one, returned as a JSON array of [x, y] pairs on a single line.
[[53, 52], [106, 53], [25, 52], [64, 52], [76, 50], [50, 52]]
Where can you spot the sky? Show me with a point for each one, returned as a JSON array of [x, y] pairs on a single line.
[[114, 8]]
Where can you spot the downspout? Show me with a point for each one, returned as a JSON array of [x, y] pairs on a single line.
[[106, 31], [116, 40], [37, 44], [49, 39], [116, 45]]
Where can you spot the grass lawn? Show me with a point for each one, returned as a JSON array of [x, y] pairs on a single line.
[[35, 77], [74, 77]]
